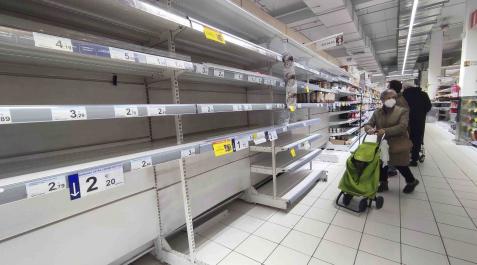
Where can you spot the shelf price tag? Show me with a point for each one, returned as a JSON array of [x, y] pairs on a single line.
[[214, 35], [141, 163], [219, 73], [125, 111], [238, 76], [268, 106], [292, 152], [201, 69], [237, 107], [69, 113], [93, 181], [305, 146], [222, 147], [272, 135], [254, 79], [206, 108], [156, 110], [282, 84], [259, 138], [5, 116], [121, 54], [247, 107], [240, 143], [155, 60], [268, 81], [52, 42], [45, 186], [187, 152]]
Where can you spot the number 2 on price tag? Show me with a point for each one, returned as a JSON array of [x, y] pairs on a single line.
[[45, 186], [96, 180], [141, 163], [219, 73], [156, 110], [126, 111]]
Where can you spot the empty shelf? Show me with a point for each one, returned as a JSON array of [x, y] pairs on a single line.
[[285, 162], [286, 142]]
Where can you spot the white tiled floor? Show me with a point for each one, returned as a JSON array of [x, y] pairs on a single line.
[[435, 225]]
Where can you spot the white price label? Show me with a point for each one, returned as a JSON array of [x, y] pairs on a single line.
[[206, 108], [254, 79], [238, 76], [125, 111], [141, 163], [268, 81], [202, 69], [241, 143], [237, 107], [156, 60], [272, 135], [97, 180], [219, 73], [285, 129], [69, 113], [156, 110], [121, 54], [187, 152], [282, 84], [52, 42], [269, 106], [45, 186], [259, 138], [5, 116], [305, 146], [247, 107]]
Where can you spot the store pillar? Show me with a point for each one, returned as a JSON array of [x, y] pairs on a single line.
[[468, 67], [435, 63]]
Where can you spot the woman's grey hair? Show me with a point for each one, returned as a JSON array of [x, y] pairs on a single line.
[[388, 92]]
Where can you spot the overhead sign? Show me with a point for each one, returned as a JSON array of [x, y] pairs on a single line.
[[330, 42]]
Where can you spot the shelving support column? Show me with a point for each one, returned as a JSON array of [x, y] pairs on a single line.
[[274, 170]]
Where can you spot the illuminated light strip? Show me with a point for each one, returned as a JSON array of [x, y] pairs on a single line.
[[411, 25]]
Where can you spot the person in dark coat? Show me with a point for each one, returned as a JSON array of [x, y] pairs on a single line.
[[419, 106]]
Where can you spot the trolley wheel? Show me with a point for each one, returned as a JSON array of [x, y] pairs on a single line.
[[422, 158], [363, 204], [379, 202], [347, 199]]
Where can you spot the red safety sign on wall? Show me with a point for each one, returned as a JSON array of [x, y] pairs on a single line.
[[473, 19]]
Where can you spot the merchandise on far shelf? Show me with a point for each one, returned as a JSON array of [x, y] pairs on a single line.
[[467, 129]]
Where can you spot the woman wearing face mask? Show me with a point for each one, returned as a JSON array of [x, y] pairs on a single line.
[[392, 121]]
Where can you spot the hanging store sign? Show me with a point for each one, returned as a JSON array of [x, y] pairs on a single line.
[[214, 35], [222, 147], [330, 42]]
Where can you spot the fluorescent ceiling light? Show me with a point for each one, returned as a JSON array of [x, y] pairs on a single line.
[[411, 25]]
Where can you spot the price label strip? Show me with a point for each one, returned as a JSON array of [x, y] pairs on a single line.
[[219, 73], [69, 113], [206, 108], [238, 76], [121, 54], [237, 107], [126, 111], [214, 35], [93, 181], [5, 116], [187, 152], [222, 148], [156, 110], [202, 69], [259, 138], [45, 186], [141, 163], [240, 143], [272, 135], [292, 152], [52, 42]]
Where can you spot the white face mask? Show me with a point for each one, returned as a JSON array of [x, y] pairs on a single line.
[[390, 103]]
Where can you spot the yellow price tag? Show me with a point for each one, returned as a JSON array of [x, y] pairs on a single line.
[[222, 147], [292, 108], [307, 89], [214, 35], [293, 152]]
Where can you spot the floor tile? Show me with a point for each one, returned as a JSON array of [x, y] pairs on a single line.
[[230, 237], [311, 227], [420, 225], [461, 250], [416, 256], [450, 219], [385, 231], [381, 247], [422, 240], [272, 232], [321, 214], [335, 253], [364, 258], [246, 223], [301, 242], [256, 248], [235, 258], [349, 220], [455, 261], [309, 199], [285, 219], [299, 209], [212, 253], [458, 233], [285, 256], [343, 236], [315, 261], [450, 209], [261, 212], [325, 204], [384, 217], [209, 230]]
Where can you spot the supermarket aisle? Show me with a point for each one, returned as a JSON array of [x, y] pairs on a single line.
[[434, 225]]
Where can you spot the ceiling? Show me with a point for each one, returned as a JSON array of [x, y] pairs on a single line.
[[372, 28]]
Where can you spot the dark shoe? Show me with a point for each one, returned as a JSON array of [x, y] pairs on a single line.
[[413, 163], [383, 186], [410, 186], [392, 172]]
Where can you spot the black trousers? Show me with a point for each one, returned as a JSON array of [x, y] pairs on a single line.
[[416, 134], [404, 170]]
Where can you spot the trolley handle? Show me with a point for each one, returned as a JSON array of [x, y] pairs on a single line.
[[379, 140]]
